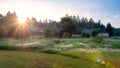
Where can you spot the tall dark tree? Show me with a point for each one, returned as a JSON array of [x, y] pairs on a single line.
[[78, 19], [91, 23], [109, 29], [68, 24], [1, 19], [86, 23], [83, 24]]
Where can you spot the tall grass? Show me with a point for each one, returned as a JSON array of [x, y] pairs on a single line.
[[67, 47], [92, 57], [61, 44]]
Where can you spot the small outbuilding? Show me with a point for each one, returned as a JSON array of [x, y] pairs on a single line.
[[103, 33]]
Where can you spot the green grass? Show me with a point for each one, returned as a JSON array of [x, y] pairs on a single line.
[[76, 42], [68, 59], [58, 53], [13, 59], [112, 58]]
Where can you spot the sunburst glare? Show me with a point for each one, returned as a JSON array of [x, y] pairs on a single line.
[[21, 20]]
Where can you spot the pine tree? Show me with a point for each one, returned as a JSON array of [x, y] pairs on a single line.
[[109, 29]]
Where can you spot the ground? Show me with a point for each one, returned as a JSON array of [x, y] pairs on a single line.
[[13, 59], [59, 53]]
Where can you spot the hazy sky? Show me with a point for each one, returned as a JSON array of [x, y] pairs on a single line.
[[105, 10]]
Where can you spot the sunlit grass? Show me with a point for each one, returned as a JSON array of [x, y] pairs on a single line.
[[110, 61], [69, 48], [12, 59]]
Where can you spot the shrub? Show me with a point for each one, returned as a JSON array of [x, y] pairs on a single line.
[[94, 33], [85, 34], [66, 35], [46, 32], [3, 32], [56, 41], [98, 39]]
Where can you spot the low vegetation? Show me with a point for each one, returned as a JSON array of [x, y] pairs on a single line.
[[60, 53], [55, 43], [12, 59]]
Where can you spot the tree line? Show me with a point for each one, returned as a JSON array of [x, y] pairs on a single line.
[[68, 25]]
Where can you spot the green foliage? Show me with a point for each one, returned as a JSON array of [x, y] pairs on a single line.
[[78, 30], [9, 59], [109, 29], [46, 32], [116, 31], [3, 32], [98, 39], [68, 24], [60, 44], [66, 35], [67, 47], [109, 57], [115, 43], [56, 41], [88, 56], [10, 26], [94, 33], [53, 32], [83, 34]]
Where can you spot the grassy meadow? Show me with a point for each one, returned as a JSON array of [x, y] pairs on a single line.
[[59, 53]]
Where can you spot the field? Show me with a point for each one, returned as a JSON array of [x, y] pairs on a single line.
[[59, 53], [12, 59]]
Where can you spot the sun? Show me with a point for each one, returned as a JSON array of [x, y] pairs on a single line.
[[21, 20]]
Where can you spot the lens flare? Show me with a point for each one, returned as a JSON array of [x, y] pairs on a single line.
[[22, 30], [21, 20]]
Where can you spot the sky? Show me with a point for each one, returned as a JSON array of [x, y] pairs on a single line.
[[105, 10]]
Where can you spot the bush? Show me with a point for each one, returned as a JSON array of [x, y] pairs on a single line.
[[85, 34], [56, 41], [46, 32], [3, 32], [98, 39], [66, 35], [94, 33]]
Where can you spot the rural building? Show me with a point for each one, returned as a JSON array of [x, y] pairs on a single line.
[[103, 33]]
